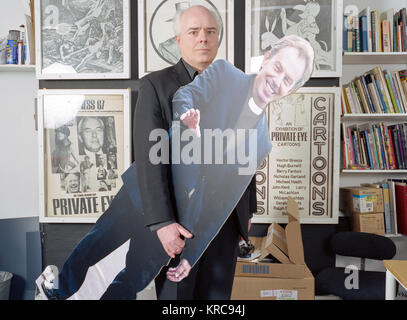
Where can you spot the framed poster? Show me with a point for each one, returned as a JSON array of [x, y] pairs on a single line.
[[304, 159], [85, 147], [84, 39], [158, 48], [318, 21]]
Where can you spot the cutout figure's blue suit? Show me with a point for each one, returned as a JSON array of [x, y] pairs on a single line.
[[221, 93]]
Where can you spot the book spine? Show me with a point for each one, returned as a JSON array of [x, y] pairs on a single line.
[[392, 97], [386, 36], [400, 92], [345, 103], [345, 33], [369, 152], [386, 203], [379, 93], [367, 94], [404, 21], [382, 82], [348, 95], [358, 36], [393, 152], [356, 97], [379, 150], [403, 128], [401, 147], [363, 24], [355, 151], [395, 92], [379, 27], [387, 146], [374, 36], [351, 145], [383, 148], [373, 144], [369, 29], [401, 205], [362, 96], [396, 148]]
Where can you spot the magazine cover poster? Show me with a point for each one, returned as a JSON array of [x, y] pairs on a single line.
[[84, 153]]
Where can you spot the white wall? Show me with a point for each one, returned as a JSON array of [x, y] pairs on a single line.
[[18, 142], [18, 145]]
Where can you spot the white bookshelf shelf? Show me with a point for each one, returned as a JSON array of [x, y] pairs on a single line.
[[394, 235], [16, 68], [375, 58], [375, 117], [374, 171]]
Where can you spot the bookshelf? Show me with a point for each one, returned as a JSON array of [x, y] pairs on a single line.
[[350, 58], [356, 64], [396, 117]]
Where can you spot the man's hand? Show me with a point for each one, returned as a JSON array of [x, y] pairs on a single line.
[[191, 119], [180, 272], [171, 240]]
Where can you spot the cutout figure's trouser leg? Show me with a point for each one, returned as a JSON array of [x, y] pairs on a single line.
[[144, 260], [112, 230]]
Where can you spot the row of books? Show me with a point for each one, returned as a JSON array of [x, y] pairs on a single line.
[[375, 146], [395, 204], [371, 31], [376, 91]]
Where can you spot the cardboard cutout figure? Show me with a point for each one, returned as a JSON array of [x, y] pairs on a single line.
[[218, 140]]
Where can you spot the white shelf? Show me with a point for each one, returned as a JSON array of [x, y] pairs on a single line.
[[16, 68], [375, 117], [393, 235], [375, 58], [374, 171]]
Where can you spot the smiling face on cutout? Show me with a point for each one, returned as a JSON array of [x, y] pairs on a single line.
[[278, 76]]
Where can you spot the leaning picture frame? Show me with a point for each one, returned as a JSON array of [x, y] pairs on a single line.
[[318, 21], [82, 39], [84, 140], [158, 48], [305, 158]]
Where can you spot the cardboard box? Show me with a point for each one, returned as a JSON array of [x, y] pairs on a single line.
[[368, 223], [289, 279], [361, 200]]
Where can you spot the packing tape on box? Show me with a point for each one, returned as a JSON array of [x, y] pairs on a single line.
[[280, 294], [274, 232]]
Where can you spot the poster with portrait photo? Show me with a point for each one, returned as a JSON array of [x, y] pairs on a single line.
[[318, 21], [302, 164], [158, 48], [82, 39], [85, 148]]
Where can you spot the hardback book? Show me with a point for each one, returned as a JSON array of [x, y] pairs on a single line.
[[366, 12], [388, 15], [401, 204], [400, 91], [386, 36], [393, 205], [391, 89]]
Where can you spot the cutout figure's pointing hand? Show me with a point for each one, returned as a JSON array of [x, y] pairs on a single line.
[[191, 119]]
